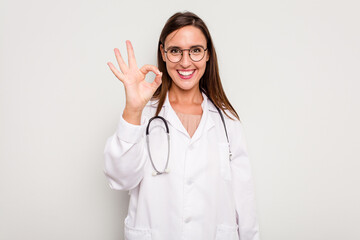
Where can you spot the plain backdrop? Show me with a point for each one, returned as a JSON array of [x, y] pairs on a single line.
[[290, 68]]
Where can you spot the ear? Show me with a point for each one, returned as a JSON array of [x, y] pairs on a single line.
[[162, 52], [207, 56]]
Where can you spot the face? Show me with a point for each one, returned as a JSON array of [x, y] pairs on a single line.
[[186, 73]]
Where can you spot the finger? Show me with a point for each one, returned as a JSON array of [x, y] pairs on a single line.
[[120, 61], [131, 54], [147, 68], [157, 81], [116, 72]]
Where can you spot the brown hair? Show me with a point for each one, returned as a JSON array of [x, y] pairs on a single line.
[[210, 82]]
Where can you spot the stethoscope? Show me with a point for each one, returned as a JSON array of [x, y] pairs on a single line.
[[166, 169]]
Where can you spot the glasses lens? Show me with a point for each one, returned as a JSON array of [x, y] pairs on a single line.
[[174, 54], [197, 53]]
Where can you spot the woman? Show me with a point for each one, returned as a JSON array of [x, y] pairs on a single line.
[[186, 186]]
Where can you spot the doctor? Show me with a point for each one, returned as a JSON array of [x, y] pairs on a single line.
[[185, 186]]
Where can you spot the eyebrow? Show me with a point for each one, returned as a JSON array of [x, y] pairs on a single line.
[[190, 46]]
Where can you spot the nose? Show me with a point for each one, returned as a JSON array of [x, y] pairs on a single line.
[[185, 60]]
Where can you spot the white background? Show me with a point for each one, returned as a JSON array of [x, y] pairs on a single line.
[[290, 68]]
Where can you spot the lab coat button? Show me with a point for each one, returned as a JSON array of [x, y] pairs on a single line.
[[187, 220]]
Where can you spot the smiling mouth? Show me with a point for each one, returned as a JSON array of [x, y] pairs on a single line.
[[185, 73]]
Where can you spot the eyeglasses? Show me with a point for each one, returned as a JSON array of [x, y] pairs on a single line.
[[175, 54]]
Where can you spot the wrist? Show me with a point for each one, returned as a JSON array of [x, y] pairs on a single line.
[[132, 116]]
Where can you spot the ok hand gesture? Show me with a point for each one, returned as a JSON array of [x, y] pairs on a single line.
[[138, 91]]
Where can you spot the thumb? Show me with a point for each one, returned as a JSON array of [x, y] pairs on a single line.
[[157, 81]]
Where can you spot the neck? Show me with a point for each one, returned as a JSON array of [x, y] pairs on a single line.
[[185, 97]]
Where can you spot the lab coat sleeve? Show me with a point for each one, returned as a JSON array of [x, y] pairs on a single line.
[[242, 182], [125, 155]]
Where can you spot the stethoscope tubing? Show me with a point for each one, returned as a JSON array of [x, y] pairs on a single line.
[[166, 170]]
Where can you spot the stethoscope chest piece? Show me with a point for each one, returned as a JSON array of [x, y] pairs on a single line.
[[158, 173]]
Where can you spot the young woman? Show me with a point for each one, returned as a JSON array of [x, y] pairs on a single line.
[[187, 170]]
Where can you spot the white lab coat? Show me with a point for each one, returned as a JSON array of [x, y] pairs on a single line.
[[204, 196]]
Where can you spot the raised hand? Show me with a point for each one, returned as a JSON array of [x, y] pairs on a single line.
[[138, 92]]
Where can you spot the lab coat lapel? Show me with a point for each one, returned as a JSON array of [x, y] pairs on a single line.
[[205, 124], [172, 118], [206, 121]]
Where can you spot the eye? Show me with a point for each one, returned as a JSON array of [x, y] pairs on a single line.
[[174, 51], [196, 50]]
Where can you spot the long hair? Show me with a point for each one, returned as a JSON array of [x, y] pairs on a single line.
[[210, 82]]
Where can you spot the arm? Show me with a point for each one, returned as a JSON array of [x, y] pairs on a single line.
[[125, 156], [243, 187], [124, 151]]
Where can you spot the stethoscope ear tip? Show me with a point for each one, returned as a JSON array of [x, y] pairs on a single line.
[[167, 170]]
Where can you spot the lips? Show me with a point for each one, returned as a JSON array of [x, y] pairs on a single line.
[[186, 74]]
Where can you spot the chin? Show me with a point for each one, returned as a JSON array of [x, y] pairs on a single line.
[[185, 85]]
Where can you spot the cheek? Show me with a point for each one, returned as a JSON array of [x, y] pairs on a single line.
[[171, 70], [202, 66], [170, 66]]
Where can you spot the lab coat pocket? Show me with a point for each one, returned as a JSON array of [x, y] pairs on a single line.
[[225, 232], [225, 169], [132, 233]]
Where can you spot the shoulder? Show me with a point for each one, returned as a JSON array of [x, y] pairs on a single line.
[[234, 126], [150, 108], [228, 116], [153, 103]]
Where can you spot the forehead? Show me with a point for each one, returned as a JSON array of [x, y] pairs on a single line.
[[186, 37]]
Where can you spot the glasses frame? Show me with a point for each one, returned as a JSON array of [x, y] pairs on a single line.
[[182, 54]]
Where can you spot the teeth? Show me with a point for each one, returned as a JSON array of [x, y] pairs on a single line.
[[186, 73]]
